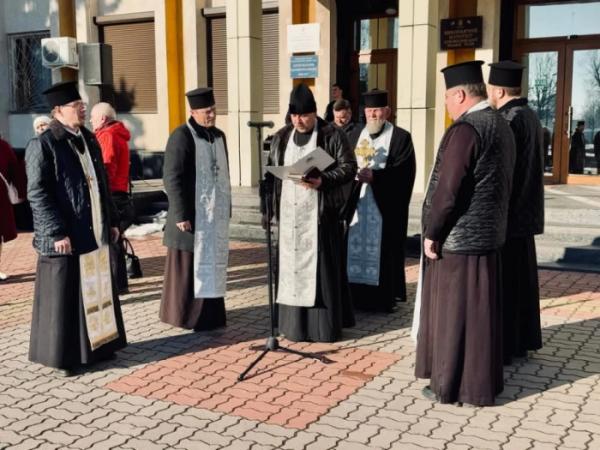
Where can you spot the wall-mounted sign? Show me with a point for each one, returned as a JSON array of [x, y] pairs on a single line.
[[461, 32], [304, 66], [303, 38]]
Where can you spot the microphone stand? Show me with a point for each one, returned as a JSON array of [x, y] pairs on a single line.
[[272, 343]]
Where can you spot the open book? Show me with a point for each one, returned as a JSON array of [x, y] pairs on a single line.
[[317, 159]]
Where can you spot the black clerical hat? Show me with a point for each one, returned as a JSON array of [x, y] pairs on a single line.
[[375, 99], [463, 73], [200, 98], [62, 93], [302, 100], [505, 74]]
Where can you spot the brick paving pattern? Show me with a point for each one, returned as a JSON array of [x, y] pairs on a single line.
[[177, 389]]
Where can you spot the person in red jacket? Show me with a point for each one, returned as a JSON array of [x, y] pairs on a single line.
[[11, 172], [113, 138]]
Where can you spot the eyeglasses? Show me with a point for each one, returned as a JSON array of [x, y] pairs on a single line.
[[77, 105]]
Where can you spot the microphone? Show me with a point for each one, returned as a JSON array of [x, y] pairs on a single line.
[[268, 124]]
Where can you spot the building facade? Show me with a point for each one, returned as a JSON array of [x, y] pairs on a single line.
[[162, 48]]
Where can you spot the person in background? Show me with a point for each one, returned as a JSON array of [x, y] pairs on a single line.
[[342, 116], [337, 93], [40, 124], [11, 173], [113, 138], [577, 150]]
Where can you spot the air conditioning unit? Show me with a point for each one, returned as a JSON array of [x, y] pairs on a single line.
[[59, 52]]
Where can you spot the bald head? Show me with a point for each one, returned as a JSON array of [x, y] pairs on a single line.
[[102, 114]]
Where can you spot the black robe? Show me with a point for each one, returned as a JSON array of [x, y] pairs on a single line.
[[459, 344], [392, 188], [58, 329], [332, 309], [521, 297], [178, 307]]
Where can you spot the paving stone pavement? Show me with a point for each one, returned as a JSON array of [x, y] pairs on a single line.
[[177, 389]]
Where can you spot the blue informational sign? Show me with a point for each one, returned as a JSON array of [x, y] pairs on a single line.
[[304, 66]]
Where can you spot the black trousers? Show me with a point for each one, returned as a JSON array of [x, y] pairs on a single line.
[[126, 212]]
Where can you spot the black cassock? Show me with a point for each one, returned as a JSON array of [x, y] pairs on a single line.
[[59, 335], [392, 188]]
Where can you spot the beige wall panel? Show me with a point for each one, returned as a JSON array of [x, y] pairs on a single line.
[[426, 12], [106, 7], [490, 10], [404, 118], [285, 82], [405, 12], [326, 17], [423, 68], [423, 138], [405, 57]]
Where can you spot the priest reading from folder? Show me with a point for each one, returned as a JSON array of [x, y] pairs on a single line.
[[378, 209], [459, 344], [76, 313], [196, 179], [310, 288]]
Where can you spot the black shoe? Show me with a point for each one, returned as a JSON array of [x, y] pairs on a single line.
[[429, 394]]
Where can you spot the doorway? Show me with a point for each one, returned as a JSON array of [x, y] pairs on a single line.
[[562, 82], [367, 51]]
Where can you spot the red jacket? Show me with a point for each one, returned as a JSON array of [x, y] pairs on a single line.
[[113, 140]]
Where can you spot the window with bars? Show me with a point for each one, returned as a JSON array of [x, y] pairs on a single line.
[[28, 78], [217, 58]]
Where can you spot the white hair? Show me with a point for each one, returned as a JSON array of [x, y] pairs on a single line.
[[40, 120], [106, 110]]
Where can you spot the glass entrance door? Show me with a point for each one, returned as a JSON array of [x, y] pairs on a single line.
[[583, 111], [559, 44]]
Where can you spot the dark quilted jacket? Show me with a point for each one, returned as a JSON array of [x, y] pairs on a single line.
[[58, 192], [336, 180], [479, 220], [526, 210]]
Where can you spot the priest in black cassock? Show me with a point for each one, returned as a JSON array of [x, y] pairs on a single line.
[[459, 344], [310, 285], [521, 295], [196, 179], [378, 208], [76, 317]]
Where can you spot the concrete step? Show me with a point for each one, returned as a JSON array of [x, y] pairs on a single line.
[[243, 215], [246, 232]]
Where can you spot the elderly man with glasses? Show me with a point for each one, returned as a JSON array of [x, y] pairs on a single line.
[[76, 317]]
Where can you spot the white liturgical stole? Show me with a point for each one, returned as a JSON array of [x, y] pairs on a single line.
[[298, 234], [211, 224], [94, 269]]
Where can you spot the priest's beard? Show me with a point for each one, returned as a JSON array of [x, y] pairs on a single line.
[[374, 126]]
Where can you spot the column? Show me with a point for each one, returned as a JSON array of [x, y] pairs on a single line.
[[244, 88], [417, 74], [490, 11]]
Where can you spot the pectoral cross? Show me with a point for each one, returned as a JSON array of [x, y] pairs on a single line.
[[215, 169]]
